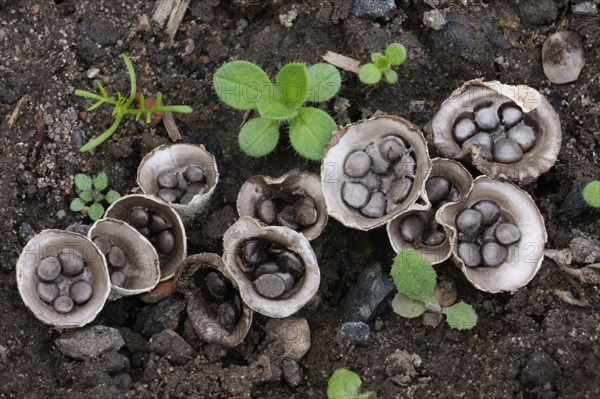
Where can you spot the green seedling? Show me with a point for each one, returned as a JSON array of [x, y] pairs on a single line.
[[591, 193], [122, 106], [345, 384], [90, 195], [415, 280], [245, 86], [381, 65]]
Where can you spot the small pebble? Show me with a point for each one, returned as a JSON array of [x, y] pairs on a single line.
[[489, 210], [464, 130], [483, 141], [357, 164], [63, 304], [371, 181], [103, 244], [511, 115], [434, 237], [468, 221], [437, 188], [254, 252], [196, 189], [167, 180], [49, 268], [167, 195], [226, 315], [47, 292], [139, 217], [355, 194], [523, 135], [507, 151], [270, 285], [453, 195], [489, 234], [287, 217], [72, 263], [378, 163], [267, 211], [159, 223], [507, 233], [486, 119], [411, 228], [266, 268], [118, 278], [81, 292], [407, 167], [493, 254], [391, 147], [116, 257], [400, 189], [291, 263], [470, 254], [306, 215], [217, 284], [194, 174], [165, 242], [375, 208]]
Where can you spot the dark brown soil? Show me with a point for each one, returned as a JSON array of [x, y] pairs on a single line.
[[46, 51]]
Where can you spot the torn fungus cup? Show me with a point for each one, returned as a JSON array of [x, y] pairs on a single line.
[[158, 223], [497, 235], [132, 261], [448, 182], [507, 132], [373, 170], [294, 200], [62, 278], [183, 175], [214, 306], [274, 267]]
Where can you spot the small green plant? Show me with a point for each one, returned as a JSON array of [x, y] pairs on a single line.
[[245, 86], [591, 193], [501, 23], [371, 73], [415, 280], [344, 384], [90, 195], [122, 105]]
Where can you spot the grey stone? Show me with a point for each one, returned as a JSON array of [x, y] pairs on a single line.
[[99, 31], [292, 333], [463, 38], [112, 362], [585, 251], [574, 204], [168, 343], [89, 342], [166, 314], [134, 342], [540, 370], [292, 372], [373, 8], [585, 8], [26, 233], [537, 12], [356, 331], [563, 57], [368, 295]]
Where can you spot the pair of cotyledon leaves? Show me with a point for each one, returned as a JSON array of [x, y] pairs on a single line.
[[90, 190], [415, 280], [245, 86]]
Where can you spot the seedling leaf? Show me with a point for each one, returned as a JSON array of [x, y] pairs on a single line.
[[460, 316], [83, 182], [275, 107], [86, 196], [390, 76], [96, 211], [369, 74], [414, 277], [101, 181], [77, 205], [112, 196], [381, 61], [344, 384], [292, 82], [324, 81], [240, 84], [259, 136], [310, 132], [396, 53], [591, 193], [406, 307]]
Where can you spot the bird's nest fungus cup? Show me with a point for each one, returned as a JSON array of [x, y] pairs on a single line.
[[274, 267], [218, 314], [497, 235], [294, 200], [132, 261], [183, 175], [507, 132], [448, 182], [62, 278], [374, 170], [158, 223]]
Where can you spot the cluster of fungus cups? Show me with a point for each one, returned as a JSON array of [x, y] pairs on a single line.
[[509, 132], [274, 267], [132, 261], [158, 223], [448, 182], [62, 278], [214, 306], [183, 175], [294, 200], [373, 170]]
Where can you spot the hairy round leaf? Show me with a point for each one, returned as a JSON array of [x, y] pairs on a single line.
[[101, 181], [240, 84], [292, 82], [460, 316], [324, 81], [390, 76], [95, 211], [414, 276], [112, 196], [344, 384], [310, 132], [86, 196], [77, 205], [369, 74], [83, 182], [591, 193], [406, 307], [396, 53], [381, 61], [273, 106], [259, 136]]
